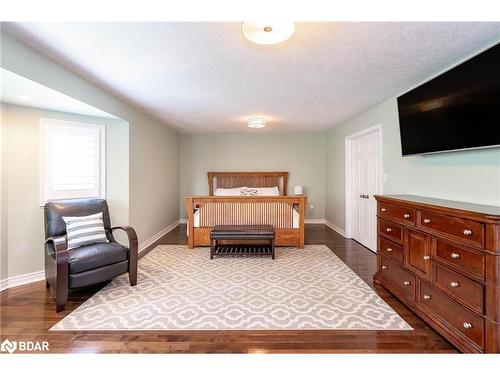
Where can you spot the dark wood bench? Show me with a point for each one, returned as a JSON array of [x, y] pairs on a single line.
[[245, 233]]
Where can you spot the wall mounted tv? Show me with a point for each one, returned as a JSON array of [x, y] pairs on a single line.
[[457, 110]]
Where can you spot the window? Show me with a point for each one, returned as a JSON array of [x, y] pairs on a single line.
[[72, 160]]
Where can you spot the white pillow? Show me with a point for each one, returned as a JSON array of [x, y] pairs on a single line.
[[229, 192], [247, 192], [271, 192], [84, 230]]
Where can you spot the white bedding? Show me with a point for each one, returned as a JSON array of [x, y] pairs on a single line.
[[295, 220], [270, 192]]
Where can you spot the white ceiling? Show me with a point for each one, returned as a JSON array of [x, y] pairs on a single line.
[[202, 77], [15, 89]]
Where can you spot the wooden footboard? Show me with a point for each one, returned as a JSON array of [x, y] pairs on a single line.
[[277, 211]]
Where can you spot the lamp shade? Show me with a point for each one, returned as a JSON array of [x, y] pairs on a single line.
[[298, 190]]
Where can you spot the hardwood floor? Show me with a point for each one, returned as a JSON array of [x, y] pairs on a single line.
[[27, 313]]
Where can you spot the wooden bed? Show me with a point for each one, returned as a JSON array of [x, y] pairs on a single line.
[[284, 213]]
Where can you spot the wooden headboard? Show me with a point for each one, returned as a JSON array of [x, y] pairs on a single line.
[[251, 179]]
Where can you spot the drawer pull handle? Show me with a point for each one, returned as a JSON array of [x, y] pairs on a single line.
[[455, 255], [388, 229], [427, 221], [384, 267], [383, 209], [427, 297], [427, 257], [467, 325], [406, 283], [467, 232], [389, 249], [406, 216], [454, 284]]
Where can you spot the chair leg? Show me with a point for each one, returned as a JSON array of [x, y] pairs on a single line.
[[47, 285], [132, 271], [61, 297], [132, 276], [62, 280]]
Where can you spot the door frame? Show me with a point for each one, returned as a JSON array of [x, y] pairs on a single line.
[[348, 191]]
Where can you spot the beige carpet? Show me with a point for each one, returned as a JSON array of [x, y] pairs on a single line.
[[182, 289]]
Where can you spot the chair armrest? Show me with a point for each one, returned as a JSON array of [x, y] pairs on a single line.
[[60, 244], [131, 234], [133, 250], [62, 255], [132, 237]]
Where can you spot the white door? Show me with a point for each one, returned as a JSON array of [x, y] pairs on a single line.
[[365, 183]]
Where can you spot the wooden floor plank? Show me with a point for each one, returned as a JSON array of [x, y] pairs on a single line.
[[27, 313]]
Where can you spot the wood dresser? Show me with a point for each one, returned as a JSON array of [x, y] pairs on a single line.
[[442, 259]]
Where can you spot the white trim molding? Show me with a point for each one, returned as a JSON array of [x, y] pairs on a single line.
[[157, 236], [337, 229], [314, 221], [27, 278]]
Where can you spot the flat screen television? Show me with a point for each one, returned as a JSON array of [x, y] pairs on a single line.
[[457, 110]]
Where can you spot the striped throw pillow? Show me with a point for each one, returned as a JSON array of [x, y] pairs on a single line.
[[84, 230]]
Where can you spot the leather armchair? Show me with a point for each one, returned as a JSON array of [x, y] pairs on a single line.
[[86, 265]]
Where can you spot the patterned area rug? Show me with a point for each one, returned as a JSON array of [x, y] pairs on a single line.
[[182, 289]]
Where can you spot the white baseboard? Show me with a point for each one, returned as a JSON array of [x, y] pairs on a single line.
[[314, 221], [183, 221], [335, 228], [13, 281], [158, 235]]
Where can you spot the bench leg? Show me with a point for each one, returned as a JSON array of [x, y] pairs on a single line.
[[272, 248], [212, 248]]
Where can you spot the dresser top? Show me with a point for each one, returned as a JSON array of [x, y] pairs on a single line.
[[457, 205]]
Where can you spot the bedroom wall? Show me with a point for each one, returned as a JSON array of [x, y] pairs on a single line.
[[153, 149], [23, 232], [472, 176], [3, 213], [301, 154]]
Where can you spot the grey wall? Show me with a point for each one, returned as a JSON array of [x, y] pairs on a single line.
[[301, 154], [153, 149], [22, 232], [3, 212], [472, 176]]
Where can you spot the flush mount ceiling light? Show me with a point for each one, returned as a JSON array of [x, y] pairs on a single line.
[[256, 122], [267, 33], [24, 97]]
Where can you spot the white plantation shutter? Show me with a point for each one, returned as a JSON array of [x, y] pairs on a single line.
[[73, 160]]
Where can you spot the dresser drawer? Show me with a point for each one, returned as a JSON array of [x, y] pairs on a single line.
[[452, 313], [462, 288], [466, 231], [391, 230], [466, 260], [391, 249], [417, 248], [393, 212], [397, 276]]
